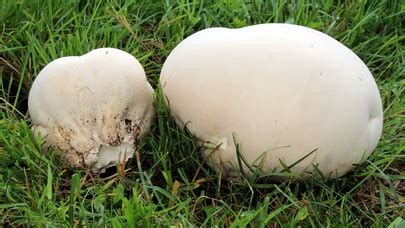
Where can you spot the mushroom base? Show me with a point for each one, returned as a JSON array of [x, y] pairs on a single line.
[[113, 155]]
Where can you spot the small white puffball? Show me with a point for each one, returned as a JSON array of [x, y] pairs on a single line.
[[92, 107], [281, 91]]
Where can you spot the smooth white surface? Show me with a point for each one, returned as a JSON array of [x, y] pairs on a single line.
[[84, 103], [282, 91]]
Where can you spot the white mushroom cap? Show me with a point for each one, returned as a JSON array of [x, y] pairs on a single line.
[[93, 107], [282, 91]]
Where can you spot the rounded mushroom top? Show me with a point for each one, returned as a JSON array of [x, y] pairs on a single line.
[[282, 90], [84, 81]]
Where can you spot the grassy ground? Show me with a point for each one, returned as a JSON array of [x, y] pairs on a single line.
[[168, 183]]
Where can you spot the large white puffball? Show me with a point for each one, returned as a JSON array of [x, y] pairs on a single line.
[[281, 91], [93, 107]]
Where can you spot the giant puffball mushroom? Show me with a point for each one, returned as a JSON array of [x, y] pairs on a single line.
[[279, 92], [92, 107]]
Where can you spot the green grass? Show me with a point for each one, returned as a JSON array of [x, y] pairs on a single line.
[[168, 183]]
